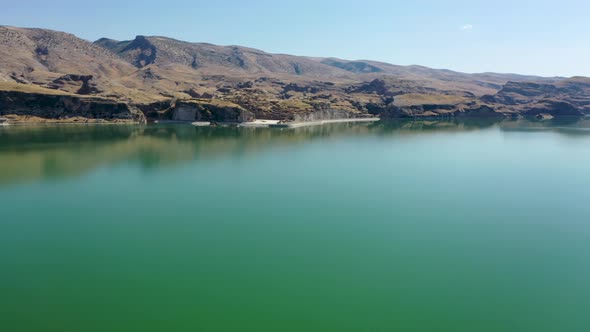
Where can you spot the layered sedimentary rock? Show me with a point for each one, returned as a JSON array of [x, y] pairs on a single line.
[[210, 111], [62, 107]]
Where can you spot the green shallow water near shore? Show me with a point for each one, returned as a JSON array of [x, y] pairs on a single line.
[[402, 226]]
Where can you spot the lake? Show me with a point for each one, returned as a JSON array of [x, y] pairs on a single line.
[[389, 226]]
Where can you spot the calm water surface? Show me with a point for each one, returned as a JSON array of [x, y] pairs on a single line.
[[406, 226]]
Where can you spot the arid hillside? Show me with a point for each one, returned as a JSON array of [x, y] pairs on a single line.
[[157, 74]]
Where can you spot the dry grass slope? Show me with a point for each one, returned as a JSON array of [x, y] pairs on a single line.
[[153, 71]]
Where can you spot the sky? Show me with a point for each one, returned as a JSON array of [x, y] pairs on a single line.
[[549, 38]]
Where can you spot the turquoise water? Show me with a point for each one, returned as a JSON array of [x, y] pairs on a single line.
[[402, 226]]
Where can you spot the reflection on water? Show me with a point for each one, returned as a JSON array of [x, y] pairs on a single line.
[[392, 226], [38, 152]]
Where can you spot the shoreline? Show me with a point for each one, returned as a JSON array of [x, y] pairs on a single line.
[[49, 124], [323, 122], [277, 124], [259, 123]]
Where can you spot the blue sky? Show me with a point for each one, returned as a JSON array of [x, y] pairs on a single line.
[[530, 37]]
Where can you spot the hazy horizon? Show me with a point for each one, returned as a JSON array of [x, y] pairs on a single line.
[[499, 37]]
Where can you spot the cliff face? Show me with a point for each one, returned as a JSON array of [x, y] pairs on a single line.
[[553, 108], [62, 107], [210, 111], [567, 98]]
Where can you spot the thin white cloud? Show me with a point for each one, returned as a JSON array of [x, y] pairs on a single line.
[[467, 27]]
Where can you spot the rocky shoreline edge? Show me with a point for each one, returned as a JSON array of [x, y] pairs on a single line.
[[23, 104]]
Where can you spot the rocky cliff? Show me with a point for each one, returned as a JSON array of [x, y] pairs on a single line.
[[44, 106], [210, 111]]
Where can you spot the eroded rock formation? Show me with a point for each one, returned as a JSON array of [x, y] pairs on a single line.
[[210, 111], [62, 107]]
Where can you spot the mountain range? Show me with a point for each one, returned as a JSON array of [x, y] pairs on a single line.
[[51, 75]]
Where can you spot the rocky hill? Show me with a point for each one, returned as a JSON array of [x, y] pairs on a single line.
[[157, 74], [37, 56], [212, 59]]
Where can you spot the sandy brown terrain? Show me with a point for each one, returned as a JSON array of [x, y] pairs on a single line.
[[162, 76]]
